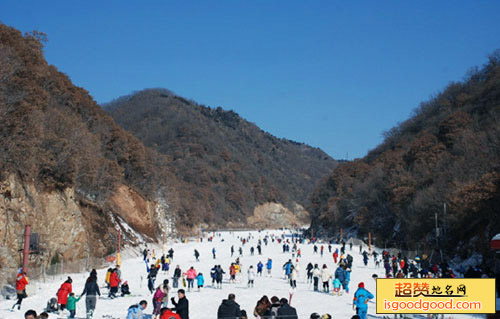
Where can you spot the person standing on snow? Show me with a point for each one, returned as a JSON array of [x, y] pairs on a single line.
[[269, 266], [309, 269], [197, 255], [360, 301], [335, 255], [114, 282], [260, 266], [316, 275], [200, 281], [251, 277], [21, 283], [190, 275], [63, 292], [293, 277], [177, 275], [213, 252], [181, 306], [229, 309], [325, 277], [92, 291], [219, 273]]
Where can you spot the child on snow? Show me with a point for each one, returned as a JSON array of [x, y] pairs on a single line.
[[336, 286], [200, 280], [71, 305]]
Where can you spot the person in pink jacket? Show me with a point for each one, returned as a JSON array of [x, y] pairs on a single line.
[[190, 275]]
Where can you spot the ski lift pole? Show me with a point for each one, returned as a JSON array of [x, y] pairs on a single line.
[[370, 242], [26, 249], [118, 255]]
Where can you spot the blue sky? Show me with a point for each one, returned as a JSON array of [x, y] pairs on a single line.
[[333, 74]]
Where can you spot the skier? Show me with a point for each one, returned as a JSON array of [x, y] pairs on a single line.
[[330, 248], [252, 250], [171, 254], [321, 250], [335, 255], [360, 301], [240, 251], [259, 249], [197, 255], [315, 249], [232, 251], [213, 252]]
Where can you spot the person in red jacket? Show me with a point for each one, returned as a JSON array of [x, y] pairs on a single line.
[[114, 282], [166, 313], [21, 282], [63, 292]]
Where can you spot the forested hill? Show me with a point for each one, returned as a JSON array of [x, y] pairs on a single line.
[[229, 164], [447, 152]]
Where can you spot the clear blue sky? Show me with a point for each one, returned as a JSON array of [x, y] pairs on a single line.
[[333, 74]]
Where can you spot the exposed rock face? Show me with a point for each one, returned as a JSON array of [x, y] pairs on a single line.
[[69, 227], [275, 215], [55, 216]]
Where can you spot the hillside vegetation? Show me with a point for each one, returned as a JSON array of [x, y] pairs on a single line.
[[447, 152], [229, 165]]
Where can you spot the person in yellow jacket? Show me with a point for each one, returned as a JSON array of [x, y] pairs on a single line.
[[108, 276]]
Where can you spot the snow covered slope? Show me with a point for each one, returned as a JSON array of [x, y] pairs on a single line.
[[204, 304]]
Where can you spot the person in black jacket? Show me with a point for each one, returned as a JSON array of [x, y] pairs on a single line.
[[181, 306], [286, 311], [92, 291], [229, 308]]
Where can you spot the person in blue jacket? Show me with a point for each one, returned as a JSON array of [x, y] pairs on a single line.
[[269, 266], [200, 281], [260, 266], [360, 301], [136, 311], [345, 284]]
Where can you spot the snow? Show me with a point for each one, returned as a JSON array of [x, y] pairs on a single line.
[[204, 304]]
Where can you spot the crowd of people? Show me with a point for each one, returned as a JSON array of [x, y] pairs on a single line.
[[333, 277]]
